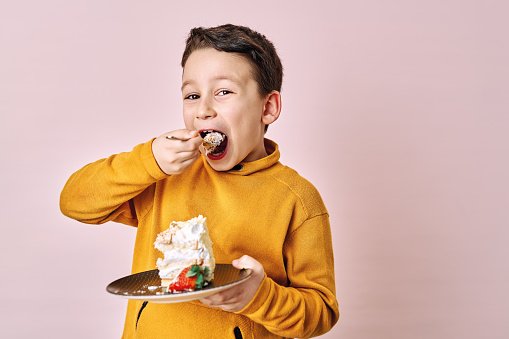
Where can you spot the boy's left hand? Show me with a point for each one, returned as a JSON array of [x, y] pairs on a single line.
[[237, 297]]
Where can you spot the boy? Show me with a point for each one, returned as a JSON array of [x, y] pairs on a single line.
[[261, 215]]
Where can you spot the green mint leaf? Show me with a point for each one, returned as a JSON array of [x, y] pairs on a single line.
[[190, 274], [199, 281]]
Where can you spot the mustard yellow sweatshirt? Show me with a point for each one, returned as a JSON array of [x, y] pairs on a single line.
[[262, 208]]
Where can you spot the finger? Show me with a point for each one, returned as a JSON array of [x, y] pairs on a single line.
[[257, 271], [186, 161], [179, 146], [248, 262], [190, 145], [211, 301], [186, 155], [179, 163], [228, 305], [183, 134], [223, 298]]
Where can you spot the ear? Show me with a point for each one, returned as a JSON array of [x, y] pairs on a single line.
[[272, 107]]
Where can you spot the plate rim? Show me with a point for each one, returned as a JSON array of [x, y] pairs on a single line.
[[181, 296]]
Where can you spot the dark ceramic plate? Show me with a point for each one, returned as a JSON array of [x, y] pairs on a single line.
[[147, 285]]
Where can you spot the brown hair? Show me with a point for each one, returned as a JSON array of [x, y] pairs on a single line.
[[261, 53]]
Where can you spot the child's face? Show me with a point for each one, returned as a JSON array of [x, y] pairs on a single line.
[[221, 94]]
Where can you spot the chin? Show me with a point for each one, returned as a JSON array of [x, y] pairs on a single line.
[[221, 162], [220, 166]]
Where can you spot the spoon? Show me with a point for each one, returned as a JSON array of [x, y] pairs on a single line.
[[171, 137]]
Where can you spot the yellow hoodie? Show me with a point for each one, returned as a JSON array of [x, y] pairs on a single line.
[[260, 208]]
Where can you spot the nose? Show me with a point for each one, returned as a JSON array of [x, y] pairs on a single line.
[[205, 109]]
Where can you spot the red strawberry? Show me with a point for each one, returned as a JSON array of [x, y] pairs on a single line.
[[191, 278]]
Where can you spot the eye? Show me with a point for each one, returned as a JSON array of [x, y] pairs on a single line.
[[192, 96], [224, 92]]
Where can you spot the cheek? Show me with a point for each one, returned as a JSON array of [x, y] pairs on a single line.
[[188, 120]]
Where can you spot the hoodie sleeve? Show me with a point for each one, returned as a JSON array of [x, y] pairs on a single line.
[[103, 190], [308, 306]]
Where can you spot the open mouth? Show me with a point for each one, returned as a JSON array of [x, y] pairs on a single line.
[[214, 142]]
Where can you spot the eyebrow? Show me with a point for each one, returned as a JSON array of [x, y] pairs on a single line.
[[216, 78]]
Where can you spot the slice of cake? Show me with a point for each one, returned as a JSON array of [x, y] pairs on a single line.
[[184, 244]]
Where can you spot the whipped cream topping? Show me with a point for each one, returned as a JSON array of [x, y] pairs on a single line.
[[214, 138], [183, 244]]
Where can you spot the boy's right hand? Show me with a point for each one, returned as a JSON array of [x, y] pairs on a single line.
[[175, 156]]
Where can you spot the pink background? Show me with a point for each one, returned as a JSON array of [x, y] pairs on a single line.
[[405, 105]]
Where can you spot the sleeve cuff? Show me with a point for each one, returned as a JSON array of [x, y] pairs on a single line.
[[262, 294], [149, 161]]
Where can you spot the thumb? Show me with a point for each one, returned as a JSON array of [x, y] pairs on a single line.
[[247, 262]]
